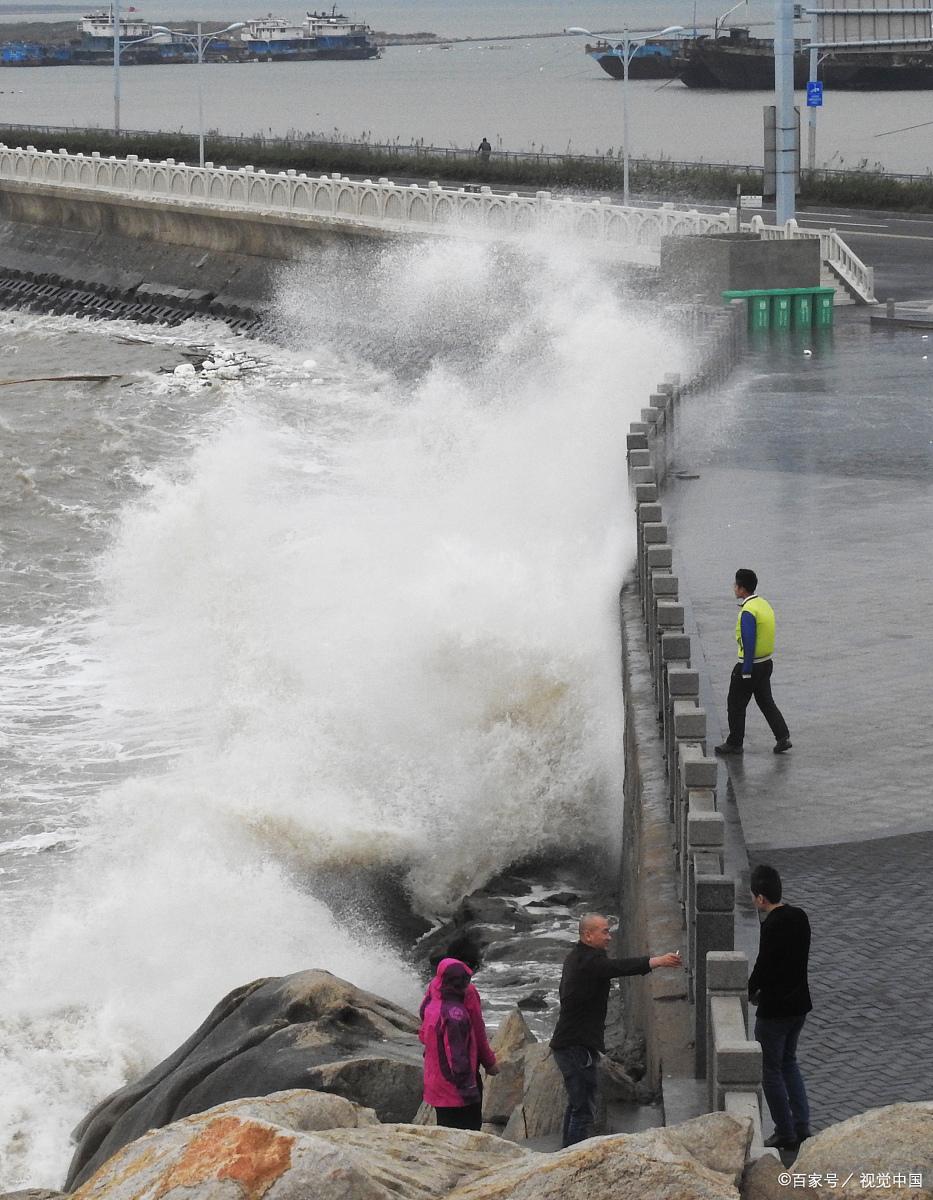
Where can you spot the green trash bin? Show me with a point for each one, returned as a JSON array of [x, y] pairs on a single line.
[[824, 310], [803, 310], [780, 312], [759, 312]]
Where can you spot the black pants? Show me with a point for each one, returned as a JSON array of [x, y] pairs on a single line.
[[466, 1116], [741, 691], [578, 1066]]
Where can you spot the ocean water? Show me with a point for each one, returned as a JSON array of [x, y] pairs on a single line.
[[351, 614], [521, 94]]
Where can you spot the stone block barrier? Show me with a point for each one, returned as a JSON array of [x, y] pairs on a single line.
[[683, 805]]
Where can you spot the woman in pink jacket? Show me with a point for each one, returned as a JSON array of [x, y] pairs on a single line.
[[455, 1044]]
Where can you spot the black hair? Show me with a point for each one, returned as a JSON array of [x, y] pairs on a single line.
[[467, 949], [747, 579], [464, 947], [766, 881]]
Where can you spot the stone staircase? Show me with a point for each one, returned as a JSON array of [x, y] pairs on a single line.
[[828, 278]]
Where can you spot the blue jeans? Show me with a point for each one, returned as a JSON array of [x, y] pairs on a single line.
[[780, 1075], [578, 1066]]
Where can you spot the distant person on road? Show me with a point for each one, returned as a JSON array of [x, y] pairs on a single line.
[[778, 985], [484, 150], [579, 1038], [455, 1044], [751, 676]]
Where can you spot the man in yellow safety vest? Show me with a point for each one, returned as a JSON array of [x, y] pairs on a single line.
[[754, 633]]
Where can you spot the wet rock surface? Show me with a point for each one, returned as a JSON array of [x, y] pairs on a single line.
[[266, 1037], [248, 1149], [522, 927]]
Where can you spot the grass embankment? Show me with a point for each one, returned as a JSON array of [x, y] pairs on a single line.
[[659, 178]]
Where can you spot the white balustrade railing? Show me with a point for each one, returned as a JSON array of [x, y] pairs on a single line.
[[379, 203], [834, 252], [633, 231]]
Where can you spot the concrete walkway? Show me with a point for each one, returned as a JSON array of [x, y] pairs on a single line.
[[817, 471]]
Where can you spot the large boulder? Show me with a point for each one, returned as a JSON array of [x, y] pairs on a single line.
[[718, 1141], [895, 1140], [265, 1037], [502, 1093], [228, 1154], [527, 1098], [392, 1088], [541, 1112], [32, 1194], [300, 1110], [679, 1163]]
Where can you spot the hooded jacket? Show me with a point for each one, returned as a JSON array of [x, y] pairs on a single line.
[[454, 1037]]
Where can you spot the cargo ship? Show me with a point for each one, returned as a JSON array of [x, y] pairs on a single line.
[[322, 35], [653, 60], [736, 61], [337, 38], [139, 41]]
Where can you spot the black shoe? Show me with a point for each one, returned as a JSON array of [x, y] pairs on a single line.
[[782, 1141], [782, 745], [802, 1133], [728, 748]]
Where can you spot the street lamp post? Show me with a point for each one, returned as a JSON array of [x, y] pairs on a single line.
[[115, 17], [118, 47], [200, 43], [629, 48]]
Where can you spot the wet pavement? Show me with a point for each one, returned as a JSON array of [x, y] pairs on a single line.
[[817, 471]]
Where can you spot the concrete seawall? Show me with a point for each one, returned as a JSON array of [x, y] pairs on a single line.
[[64, 250]]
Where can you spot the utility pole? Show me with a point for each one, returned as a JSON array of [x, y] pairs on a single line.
[[115, 17], [200, 70], [786, 118]]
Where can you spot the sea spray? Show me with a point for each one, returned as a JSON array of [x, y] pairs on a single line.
[[375, 621]]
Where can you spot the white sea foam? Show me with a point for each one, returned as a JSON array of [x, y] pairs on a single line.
[[377, 618]]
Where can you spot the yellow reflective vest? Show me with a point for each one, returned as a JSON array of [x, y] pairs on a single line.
[[763, 613]]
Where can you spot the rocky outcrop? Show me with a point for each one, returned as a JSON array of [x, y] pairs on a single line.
[[232, 1153], [300, 1110], [31, 1194], [527, 1099], [502, 1093], [897, 1139], [622, 1167], [700, 1160], [541, 1112], [268, 1036], [392, 1088]]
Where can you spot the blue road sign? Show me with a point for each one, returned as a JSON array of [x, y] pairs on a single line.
[[814, 94]]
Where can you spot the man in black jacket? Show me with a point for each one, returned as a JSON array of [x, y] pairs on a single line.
[[778, 985], [579, 1036]]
